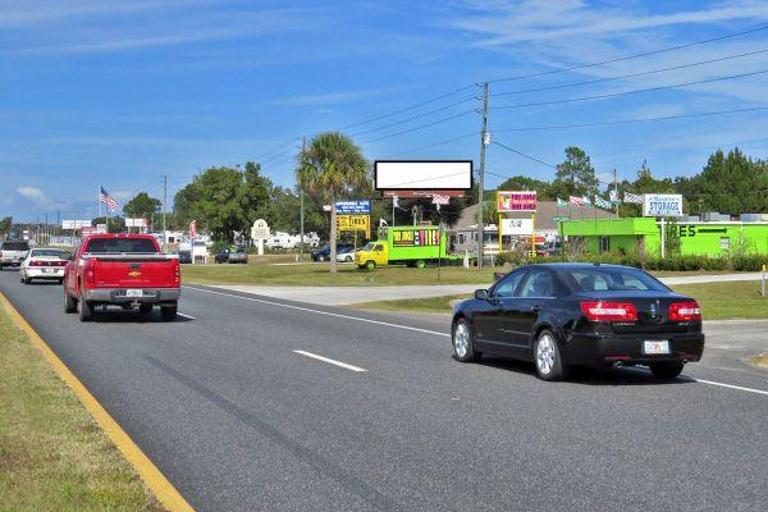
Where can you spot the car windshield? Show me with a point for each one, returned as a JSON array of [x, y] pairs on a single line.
[[47, 252], [613, 279], [120, 246], [369, 246], [15, 246]]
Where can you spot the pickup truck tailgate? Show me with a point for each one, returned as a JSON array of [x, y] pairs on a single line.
[[129, 272]]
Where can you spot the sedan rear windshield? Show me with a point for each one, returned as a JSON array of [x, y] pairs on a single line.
[[612, 279], [14, 246], [120, 246], [47, 252]]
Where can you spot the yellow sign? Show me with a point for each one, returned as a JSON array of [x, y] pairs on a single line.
[[354, 223]]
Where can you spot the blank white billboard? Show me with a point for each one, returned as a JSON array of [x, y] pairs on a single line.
[[423, 175]]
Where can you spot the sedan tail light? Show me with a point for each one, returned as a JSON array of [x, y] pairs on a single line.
[[606, 311], [684, 311]]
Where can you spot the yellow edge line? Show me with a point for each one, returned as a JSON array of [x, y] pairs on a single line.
[[163, 489]]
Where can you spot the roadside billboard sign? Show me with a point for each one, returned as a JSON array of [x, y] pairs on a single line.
[[353, 207], [523, 201], [517, 226], [662, 205], [135, 223], [101, 228], [354, 223], [75, 224], [432, 175]]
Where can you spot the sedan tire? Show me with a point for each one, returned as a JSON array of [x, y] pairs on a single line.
[[547, 358], [666, 371], [463, 342]]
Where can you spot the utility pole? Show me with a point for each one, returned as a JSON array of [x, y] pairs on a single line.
[[165, 202], [301, 215], [616, 192], [484, 141]]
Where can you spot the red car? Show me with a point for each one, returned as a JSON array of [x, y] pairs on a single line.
[[127, 270]]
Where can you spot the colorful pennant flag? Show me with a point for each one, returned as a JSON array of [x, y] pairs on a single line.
[[576, 201], [561, 203], [602, 203]]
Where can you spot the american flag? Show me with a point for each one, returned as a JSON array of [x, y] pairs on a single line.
[[108, 200], [576, 201]]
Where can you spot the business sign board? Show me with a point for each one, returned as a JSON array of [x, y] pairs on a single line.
[[416, 237], [354, 223], [75, 224], [260, 230], [135, 223], [101, 228], [516, 227], [524, 201], [662, 205], [353, 207], [415, 175]]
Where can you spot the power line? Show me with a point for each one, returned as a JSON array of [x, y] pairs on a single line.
[[421, 127], [434, 145], [632, 56], [524, 155], [425, 114], [629, 121], [631, 75], [633, 91], [281, 146]]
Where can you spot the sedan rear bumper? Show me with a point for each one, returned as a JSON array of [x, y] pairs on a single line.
[[597, 349], [44, 273], [121, 296]]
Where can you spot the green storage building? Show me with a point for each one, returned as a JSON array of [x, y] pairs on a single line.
[[644, 233]]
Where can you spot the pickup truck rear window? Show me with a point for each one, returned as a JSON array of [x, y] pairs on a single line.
[[14, 246], [120, 246]]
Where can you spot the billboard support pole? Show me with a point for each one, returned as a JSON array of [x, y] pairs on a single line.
[[481, 191], [663, 238]]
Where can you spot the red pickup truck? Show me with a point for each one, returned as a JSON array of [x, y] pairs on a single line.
[[126, 270]]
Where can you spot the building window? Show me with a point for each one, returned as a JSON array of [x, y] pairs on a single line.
[[605, 244], [725, 243], [461, 238]]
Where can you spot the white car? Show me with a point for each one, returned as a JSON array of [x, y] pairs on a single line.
[[12, 253], [346, 257], [44, 263]]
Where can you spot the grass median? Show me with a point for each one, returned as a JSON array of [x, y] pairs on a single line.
[[53, 455], [719, 301]]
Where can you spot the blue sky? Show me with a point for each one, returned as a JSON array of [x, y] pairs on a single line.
[[115, 93]]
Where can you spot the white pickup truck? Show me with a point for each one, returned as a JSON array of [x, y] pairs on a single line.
[[12, 253]]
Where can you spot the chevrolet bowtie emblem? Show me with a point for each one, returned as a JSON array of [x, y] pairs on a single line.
[[134, 273]]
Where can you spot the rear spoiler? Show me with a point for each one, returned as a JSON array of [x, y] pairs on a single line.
[[133, 256]]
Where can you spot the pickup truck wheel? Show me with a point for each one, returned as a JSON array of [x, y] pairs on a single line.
[[145, 309], [85, 310], [169, 312], [421, 264], [370, 265], [70, 304]]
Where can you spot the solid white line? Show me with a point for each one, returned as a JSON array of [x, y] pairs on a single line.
[[326, 313], [188, 317], [330, 361], [731, 386]]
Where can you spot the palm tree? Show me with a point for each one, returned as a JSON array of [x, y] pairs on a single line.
[[328, 167]]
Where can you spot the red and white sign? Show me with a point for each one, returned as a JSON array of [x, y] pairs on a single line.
[[193, 229], [524, 201], [440, 200]]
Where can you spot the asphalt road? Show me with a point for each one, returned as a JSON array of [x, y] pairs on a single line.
[[239, 421]]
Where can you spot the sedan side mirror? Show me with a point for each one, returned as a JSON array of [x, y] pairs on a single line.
[[481, 294]]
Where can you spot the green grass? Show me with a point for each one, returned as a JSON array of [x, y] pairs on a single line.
[[317, 274], [718, 301], [53, 456]]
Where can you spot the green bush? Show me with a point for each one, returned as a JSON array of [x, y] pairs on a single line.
[[674, 262]]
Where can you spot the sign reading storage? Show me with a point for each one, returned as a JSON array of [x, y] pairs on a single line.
[[662, 205], [354, 223]]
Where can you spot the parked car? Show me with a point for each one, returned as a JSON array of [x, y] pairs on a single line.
[[43, 263], [561, 315], [128, 270], [185, 256], [222, 256], [238, 255], [345, 255], [324, 253], [12, 253]]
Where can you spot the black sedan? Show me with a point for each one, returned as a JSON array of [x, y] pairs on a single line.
[[561, 315]]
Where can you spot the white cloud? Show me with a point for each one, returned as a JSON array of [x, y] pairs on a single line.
[[337, 97], [33, 194]]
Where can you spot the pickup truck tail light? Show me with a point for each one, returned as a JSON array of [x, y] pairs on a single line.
[[684, 311], [176, 272], [89, 274], [606, 311]]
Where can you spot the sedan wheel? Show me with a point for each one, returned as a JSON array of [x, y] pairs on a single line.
[[463, 346], [549, 364]]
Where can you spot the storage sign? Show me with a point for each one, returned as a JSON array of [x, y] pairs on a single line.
[[354, 223], [352, 207], [662, 205], [524, 201]]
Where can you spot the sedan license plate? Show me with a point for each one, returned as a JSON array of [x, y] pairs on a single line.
[[656, 347], [134, 293]]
